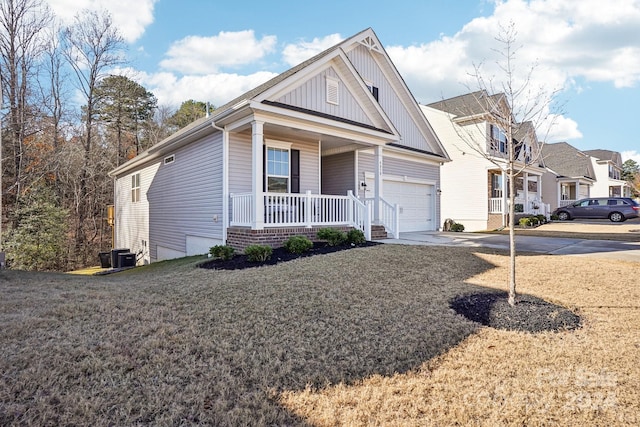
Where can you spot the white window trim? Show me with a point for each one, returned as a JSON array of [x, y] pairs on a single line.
[[135, 196], [278, 145]]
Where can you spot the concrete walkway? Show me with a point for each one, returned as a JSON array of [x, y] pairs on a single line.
[[628, 251]]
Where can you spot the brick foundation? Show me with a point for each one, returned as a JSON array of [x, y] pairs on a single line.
[[494, 221], [241, 237]]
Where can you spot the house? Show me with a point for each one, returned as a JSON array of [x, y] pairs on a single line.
[[475, 183], [570, 174], [338, 140], [607, 165]]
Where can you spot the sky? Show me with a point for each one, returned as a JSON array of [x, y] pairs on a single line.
[[585, 51]]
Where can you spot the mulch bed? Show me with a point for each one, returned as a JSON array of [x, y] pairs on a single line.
[[240, 261], [530, 314]]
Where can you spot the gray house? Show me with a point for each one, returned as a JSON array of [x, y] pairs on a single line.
[[570, 175], [337, 141]]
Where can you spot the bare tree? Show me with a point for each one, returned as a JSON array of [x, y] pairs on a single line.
[[93, 46], [518, 113], [22, 23]]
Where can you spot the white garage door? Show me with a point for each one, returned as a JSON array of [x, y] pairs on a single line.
[[416, 202]]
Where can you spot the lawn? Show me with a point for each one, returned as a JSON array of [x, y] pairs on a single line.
[[362, 337]]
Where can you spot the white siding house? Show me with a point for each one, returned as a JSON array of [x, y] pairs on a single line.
[[474, 184], [337, 141], [607, 166]]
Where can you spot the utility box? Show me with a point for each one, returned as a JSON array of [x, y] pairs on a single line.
[[126, 259], [114, 256]]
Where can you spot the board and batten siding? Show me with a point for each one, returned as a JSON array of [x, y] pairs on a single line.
[[338, 173], [388, 99], [131, 218], [185, 201], [312, 95]]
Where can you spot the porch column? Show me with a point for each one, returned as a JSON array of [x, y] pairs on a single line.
[[257, 166], [505, 189], [378, 186], [577, 191], [525, 191]]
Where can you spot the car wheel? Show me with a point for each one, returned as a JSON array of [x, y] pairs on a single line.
[[616, 217], [563, 216]]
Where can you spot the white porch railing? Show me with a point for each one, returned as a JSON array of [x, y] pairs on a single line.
[[533, 206], [495, 205], [389, 216], [564, 203], [289, 209]]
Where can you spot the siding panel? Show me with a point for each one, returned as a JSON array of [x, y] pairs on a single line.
[[185, 196], [338, 174], [388, 99], [312, 95]]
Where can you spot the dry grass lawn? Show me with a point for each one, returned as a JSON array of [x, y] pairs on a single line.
[[362, 337]]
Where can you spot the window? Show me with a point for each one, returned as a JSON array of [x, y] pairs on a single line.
[[498, 139], [496, 186], [333, 86], [374, 90], [277, 170], [135, 187], [613, 172]]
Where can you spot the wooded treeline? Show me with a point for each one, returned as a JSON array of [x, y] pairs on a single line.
[[66, 121]]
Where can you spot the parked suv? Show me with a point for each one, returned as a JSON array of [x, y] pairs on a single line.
[[617, 209]]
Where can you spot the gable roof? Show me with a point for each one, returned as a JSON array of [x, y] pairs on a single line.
[[567, 161], [259, 96], [470, 104], [606, 155]]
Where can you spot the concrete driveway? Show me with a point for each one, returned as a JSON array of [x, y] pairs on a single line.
[[628, 251]]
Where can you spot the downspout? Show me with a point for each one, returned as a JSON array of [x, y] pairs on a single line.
[[225, 180]]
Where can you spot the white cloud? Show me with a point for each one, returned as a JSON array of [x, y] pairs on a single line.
[[217, 88], [202, 55], [631, 155], [130, 17], [293, 54]]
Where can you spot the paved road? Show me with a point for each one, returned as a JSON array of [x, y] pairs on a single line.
[[628, 251]]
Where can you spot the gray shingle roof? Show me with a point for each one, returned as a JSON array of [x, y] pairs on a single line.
[[608, 155], [566, 160], [470, 104]]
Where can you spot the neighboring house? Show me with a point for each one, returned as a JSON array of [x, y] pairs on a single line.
[[570, 175], [607, 165], [475, 183], [338, 140]]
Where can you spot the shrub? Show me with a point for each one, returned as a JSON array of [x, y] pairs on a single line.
[[554, 217], [541, 218], [525, 222], [457, 227], [333, 236], [355, 237], [298, 244], [222, 251], [258, 253]]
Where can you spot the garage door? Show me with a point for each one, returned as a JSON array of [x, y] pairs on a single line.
[[415, 201]]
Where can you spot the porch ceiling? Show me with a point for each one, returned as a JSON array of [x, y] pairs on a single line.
[[330, 143]]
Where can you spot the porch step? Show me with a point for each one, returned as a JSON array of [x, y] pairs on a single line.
[[378, 232]]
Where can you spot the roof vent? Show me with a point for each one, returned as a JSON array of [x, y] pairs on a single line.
[[332, 90]]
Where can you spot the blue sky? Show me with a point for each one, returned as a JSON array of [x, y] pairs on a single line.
[[210, 50]]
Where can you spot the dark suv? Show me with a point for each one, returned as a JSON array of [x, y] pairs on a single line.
[[617, 209]]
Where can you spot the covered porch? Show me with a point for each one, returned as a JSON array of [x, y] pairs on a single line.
[[528, 199], [284, 196]]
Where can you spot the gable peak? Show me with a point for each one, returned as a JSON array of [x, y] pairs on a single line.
[[371, 43]]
